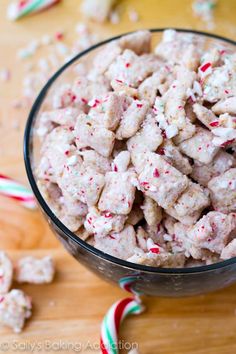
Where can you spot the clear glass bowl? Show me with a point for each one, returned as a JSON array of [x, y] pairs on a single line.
[[137, 278]]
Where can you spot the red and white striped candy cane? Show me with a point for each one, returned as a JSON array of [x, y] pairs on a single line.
[[22, 8], [111, 323], [14, 190]]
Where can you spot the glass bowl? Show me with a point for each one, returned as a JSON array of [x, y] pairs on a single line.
[[136, 278]]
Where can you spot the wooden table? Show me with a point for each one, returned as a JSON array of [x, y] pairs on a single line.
[[71, 309]]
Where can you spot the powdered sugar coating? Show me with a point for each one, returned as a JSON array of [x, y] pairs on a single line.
[[138, 152]]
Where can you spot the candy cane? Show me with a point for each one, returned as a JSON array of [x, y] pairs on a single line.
[[112, 320], [22, 8], [126, 283], [15, 190]]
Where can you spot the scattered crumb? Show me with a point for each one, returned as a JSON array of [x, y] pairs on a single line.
[[5, 75], [204, 9], [133, 15]]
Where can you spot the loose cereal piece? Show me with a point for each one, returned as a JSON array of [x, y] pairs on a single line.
[[34, 271], [212, 232], [130, 68], [73, 223], [176, 97], [229, 251], [121, 161], [108, 110], [97, 10], [63, 116], [149, 87], [165, 259], [96, 161], [119, 244], [206, 116], [187, 132], [152, 212], [121, 87], [56, 155], [84, 184], [225, 133], [175, 47], [105, 57], [142, 236], [200, 146], [118, 193], [132, 119], [219, 82], [139, 42], [135, 216], [223, 191], [63, 97], [102, 223], [6, 273], [15, 308], [85, 90], [148, 138], [90, 134], [83, 234], [160, 181], [190, 204], [171, 154], [73, 207], [227, 105], [204, 173], [168, 223]]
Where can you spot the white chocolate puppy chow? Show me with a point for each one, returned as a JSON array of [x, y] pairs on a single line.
[[34, 271], [138, 152], [6, 273], [15, 308]]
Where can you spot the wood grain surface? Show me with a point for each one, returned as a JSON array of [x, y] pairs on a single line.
[[68, 312]]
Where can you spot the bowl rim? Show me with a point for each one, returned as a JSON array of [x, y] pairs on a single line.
[[44, 206]]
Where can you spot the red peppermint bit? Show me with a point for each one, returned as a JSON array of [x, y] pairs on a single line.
[[200, 148], [120, 81], [22, 3], [59, 36], [73, 98], [173, 86], [144, 184], [91, 178], [96, 102], [155, 250], [228, 142], [167, 172], [156, 173], [223, 51], [202, 227], [180, 107], [107, 214], [209, 240], [214, 124], [204, 67], [71, 129], [2, 299], [227, 92], [230, 183], [112, 237], [115, 168], [84, 100], [127, 65], [67, 152], [163, 133], [139, 105], [162, 151], [208, 145]]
